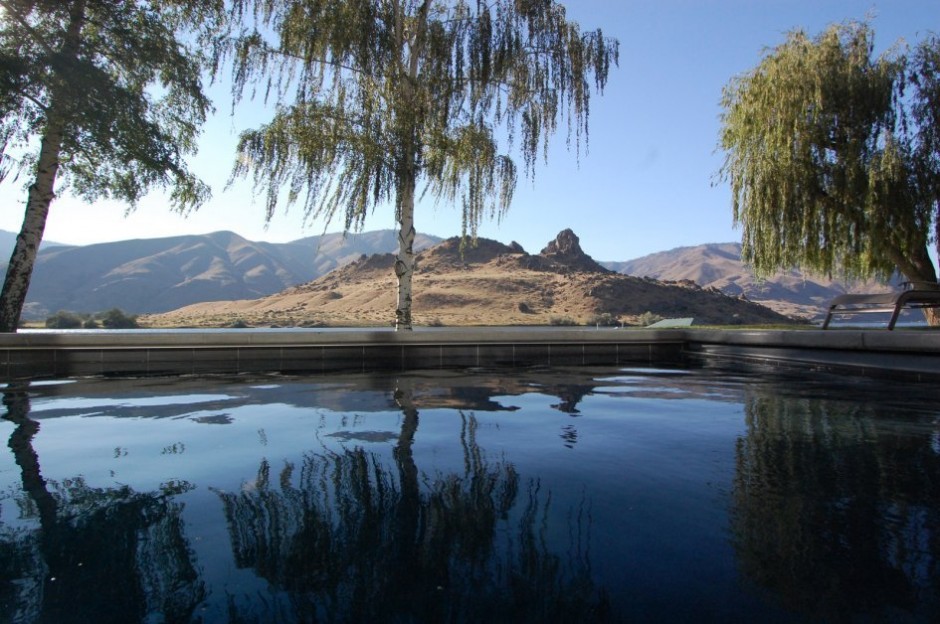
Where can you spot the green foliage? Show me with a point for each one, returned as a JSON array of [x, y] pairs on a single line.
[[115, 318], [377, 96], [603, 319], [832, 155], [117, 83], [63, 319], [118, 319]]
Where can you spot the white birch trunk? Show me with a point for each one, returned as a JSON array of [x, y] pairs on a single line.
[[405, 261], [20, 269]]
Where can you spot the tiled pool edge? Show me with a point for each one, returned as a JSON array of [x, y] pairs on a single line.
[[908, 355], [27, 355], [65, 354]]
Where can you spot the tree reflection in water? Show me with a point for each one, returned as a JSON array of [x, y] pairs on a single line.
[[98, 554], [360, 539], [376, 502], [837, 508]]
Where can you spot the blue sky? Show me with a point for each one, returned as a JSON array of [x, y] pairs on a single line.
[[647, 183]]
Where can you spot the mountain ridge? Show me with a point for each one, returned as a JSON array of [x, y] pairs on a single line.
[[163, 274], [489, 283], [160, 274], [719, 265]]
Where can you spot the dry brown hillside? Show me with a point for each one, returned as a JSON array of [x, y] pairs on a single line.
[[720, 266], [161, 274], [486, 284]]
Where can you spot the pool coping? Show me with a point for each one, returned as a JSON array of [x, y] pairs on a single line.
[[39, 354]]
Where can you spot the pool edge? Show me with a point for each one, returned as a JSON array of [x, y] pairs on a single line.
[[27, 355]]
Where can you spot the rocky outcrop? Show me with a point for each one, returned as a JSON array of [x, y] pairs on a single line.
[[566, 250], [458, 252]]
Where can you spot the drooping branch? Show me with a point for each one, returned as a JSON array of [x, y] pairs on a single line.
[[319, 147]]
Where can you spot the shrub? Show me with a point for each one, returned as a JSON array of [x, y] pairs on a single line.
[[605, 319], [63, 319], [90, 323], [115, 318], [561, 321], [648, 318]]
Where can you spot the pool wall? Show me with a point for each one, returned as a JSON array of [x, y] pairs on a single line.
[[38, 354], [913, 355]]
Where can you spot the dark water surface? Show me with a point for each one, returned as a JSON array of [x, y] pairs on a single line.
[[577, 495]]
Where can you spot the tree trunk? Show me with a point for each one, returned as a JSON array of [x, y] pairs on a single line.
[[16, 401], [933, 316], [410, 148], [407, 537], [405, 261], [918, 268], [41, 193]]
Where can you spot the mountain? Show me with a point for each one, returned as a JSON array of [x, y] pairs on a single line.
[[335, 250], [160, 274], [163, 274], [486, 284], [8, 241], [719, 266]]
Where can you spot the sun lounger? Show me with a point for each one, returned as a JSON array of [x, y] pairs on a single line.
[[912, 298]]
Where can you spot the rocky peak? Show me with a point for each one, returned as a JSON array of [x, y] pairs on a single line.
[[566, 249], [566, 244]]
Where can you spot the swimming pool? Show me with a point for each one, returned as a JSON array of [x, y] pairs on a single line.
[[549, 494]]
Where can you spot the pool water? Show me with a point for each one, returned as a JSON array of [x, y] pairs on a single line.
[[568, 495]]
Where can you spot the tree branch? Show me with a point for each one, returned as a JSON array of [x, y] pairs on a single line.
[[374, 78], [5, 4]]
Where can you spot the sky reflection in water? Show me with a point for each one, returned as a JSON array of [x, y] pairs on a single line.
[[551, 495]]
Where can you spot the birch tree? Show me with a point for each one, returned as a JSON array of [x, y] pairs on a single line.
[[381, 102], [101, 96], [833, 156]]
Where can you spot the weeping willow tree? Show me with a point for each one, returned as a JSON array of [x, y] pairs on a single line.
[[383, 101], [833, 156]]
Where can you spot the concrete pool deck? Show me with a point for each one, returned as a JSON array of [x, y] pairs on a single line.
[[55, 354]]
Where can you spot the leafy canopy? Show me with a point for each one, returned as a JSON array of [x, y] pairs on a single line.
[[128, 98], [832, 154], [375, 95]]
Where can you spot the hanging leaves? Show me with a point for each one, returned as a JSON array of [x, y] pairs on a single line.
[[827, 156], [372, 92]]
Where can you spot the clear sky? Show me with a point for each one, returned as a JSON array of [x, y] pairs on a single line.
[[647, 183]]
